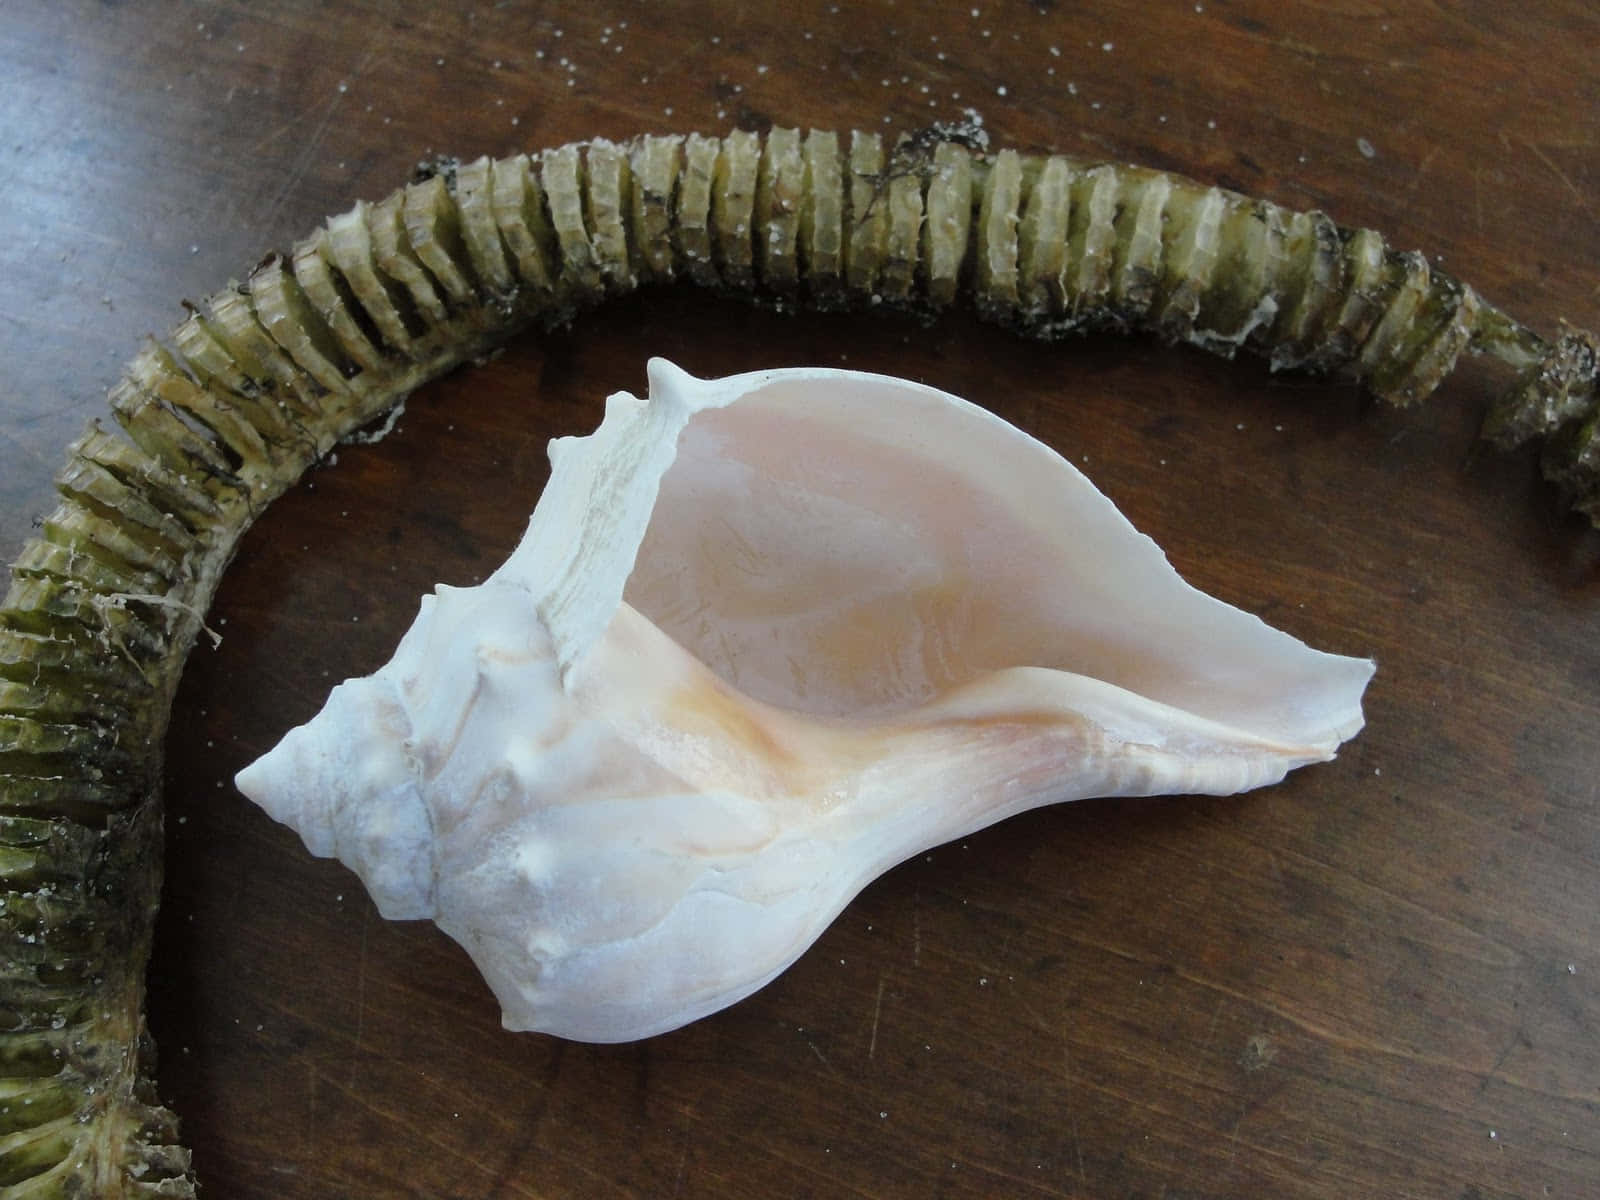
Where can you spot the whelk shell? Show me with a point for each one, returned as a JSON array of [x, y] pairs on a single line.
[[765, 637]]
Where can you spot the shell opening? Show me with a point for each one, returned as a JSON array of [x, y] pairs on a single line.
[[849, 545]]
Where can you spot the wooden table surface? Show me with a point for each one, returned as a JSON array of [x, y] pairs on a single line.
[[1379, 978]]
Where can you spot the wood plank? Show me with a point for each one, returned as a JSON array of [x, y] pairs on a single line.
[[1377, 979]]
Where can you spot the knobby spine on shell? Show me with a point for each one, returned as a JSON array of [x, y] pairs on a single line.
[[267, 376]]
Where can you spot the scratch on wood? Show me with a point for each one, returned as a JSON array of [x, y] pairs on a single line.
[[1233, 1145], [1538, 152], [275, 133], [877, 1012], [1360, 1044], [419, 1131], [1072, 1113], [1211, 1031], [311, 1107], [313, 142], [821, 1057], [683, 1162], [1493, 1073], [1422, 168], [916, 927], [361, 996]]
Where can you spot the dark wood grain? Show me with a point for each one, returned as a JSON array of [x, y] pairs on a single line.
[[1376, 979]]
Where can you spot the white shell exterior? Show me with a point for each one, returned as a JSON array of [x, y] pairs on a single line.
[[767, 636]]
